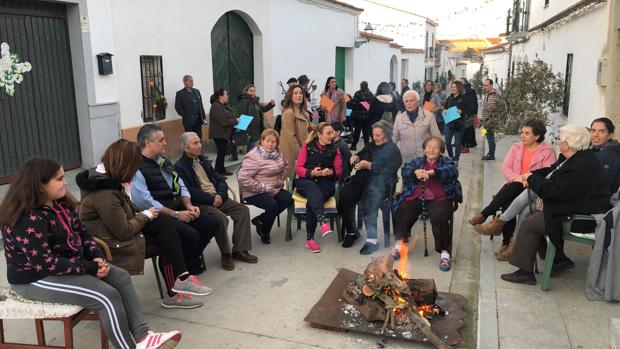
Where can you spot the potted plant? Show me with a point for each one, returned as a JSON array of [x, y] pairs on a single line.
[[157, 101]]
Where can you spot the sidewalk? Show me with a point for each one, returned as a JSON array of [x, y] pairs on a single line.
[[526, 316], [263, 305]]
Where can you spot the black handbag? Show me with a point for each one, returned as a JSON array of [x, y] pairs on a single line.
[[239, 138]]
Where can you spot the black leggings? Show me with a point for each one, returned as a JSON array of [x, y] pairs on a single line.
[[439, 213], [502, 199], [222, 150]]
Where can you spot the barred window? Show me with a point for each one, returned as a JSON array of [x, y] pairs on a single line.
[[154, 102]]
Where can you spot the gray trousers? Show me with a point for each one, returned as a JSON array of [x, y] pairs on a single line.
[[519, 208], [240, 214], [113, 298]]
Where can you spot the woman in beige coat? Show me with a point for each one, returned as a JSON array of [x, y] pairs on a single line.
[[295, 123], [413, 126]]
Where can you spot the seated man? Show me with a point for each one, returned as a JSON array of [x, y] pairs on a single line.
[[156, 184], [210, 191]]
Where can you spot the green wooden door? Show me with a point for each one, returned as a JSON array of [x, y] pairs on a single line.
[[40, 119], [340, 67], [232, 49]]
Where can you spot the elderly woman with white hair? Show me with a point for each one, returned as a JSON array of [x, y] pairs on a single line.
[[575, 184], [413, 126], [376, 165]]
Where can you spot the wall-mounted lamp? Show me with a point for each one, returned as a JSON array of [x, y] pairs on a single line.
[[368, 29]]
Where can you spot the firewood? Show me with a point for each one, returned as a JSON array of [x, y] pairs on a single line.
[[423, 291]]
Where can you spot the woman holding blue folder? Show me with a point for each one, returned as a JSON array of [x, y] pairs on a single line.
[[455, 128], [221, 127]]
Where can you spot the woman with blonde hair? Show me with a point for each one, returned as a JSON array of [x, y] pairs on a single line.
[[318, 167], [261, 181], [295, 123]]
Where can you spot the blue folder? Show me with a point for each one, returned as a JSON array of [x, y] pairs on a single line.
[[244, 122], [349, 111], [451, 115]]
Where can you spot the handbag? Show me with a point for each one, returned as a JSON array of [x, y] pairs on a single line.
[[239, 138]]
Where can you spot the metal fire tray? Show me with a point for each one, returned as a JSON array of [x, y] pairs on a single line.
[[331, 312]]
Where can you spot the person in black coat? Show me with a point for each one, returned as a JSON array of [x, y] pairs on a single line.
[[457, 127], [471, 100], [573, 185], [188, 104], [382, 105], [249, 104], [361, 117]]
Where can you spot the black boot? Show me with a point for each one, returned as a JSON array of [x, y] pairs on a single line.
[[520, 277]]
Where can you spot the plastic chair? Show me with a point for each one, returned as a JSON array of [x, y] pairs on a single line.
[[566, 236]]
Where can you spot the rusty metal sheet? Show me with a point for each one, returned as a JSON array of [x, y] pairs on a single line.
[[333, 313]]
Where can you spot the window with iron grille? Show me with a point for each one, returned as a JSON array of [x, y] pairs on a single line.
[[154, 102], [567, 82]]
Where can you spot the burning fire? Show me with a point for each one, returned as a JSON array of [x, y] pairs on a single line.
[[403, 264]]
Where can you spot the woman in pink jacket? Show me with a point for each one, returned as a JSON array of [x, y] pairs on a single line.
[[526, 156], [261, 182]]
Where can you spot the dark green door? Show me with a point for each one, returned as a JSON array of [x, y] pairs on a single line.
[[40, 118], [340, 67], [232, 50]]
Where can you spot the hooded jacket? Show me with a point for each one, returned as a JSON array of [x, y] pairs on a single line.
[[609, 157], [251, 106], [109, 214], [48, 241], [381, 108]]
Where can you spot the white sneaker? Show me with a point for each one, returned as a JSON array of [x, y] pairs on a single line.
[[163, 340]]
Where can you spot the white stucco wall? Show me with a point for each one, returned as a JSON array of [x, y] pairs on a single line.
[[371, 63], [587, 98], [416, 66], [100, 29], [497, 64], [540, 13]]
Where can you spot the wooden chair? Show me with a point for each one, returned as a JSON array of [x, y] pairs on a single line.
[[69, 315], [298, 210], [566, 236]]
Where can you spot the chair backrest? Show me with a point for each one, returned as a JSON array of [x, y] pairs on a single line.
[[238, 185]]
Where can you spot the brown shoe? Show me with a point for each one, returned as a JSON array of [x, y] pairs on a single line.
[[477, 219], [505, 256], [227, 261], [494, 227], [244, 256], [502, 249]]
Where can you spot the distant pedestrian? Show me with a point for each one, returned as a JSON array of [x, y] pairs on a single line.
[[382, 105], [336, 95], [361, 115], [455, 128], [249, 104], [488, 104], [471, 110], [221, 127], [188, 104]]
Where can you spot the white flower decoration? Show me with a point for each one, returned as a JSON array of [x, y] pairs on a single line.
[[10, 70]]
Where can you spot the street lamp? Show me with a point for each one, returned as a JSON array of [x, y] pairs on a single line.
[[368, 29]]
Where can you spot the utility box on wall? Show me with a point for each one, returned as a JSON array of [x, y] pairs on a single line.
[[602, 70], [104, 62]]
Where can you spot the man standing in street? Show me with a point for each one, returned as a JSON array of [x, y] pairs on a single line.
[[188, 104], [488, 104], [404, 87]]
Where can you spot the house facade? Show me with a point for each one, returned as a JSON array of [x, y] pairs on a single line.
[[93, 63]]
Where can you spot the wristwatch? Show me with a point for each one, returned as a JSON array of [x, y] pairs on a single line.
[[176, 215]]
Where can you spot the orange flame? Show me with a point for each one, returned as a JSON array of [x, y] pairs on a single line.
[[403, 264]]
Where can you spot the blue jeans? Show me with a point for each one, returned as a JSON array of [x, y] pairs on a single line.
[[454, 130], [490, 136]]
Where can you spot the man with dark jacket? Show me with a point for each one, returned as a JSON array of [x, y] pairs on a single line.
[[471, 100], [210, 191], [188, 104]]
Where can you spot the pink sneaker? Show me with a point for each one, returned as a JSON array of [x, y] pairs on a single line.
[[313, 246], [166, 340], [325, 229]]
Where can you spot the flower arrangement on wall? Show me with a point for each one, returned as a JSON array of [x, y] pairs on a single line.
[[11, 71]]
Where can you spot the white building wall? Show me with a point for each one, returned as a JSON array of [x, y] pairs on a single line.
[[540, 13], [282, 47], [102, 40], [587, 98], [416, 67], [371, 63], [497, 64]]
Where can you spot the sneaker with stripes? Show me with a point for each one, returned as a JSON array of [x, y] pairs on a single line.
[[191, 285], [162, 340]]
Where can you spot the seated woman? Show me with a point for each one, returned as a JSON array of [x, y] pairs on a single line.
[[607, 151], [261, 182], [376, 164], [318, 168], [528, 155], [108, 212], [573, 185], [430, 182], [51, 257]]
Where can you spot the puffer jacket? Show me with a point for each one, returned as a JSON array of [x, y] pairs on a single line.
[[609, 157], [109, 214], [258, 175]]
